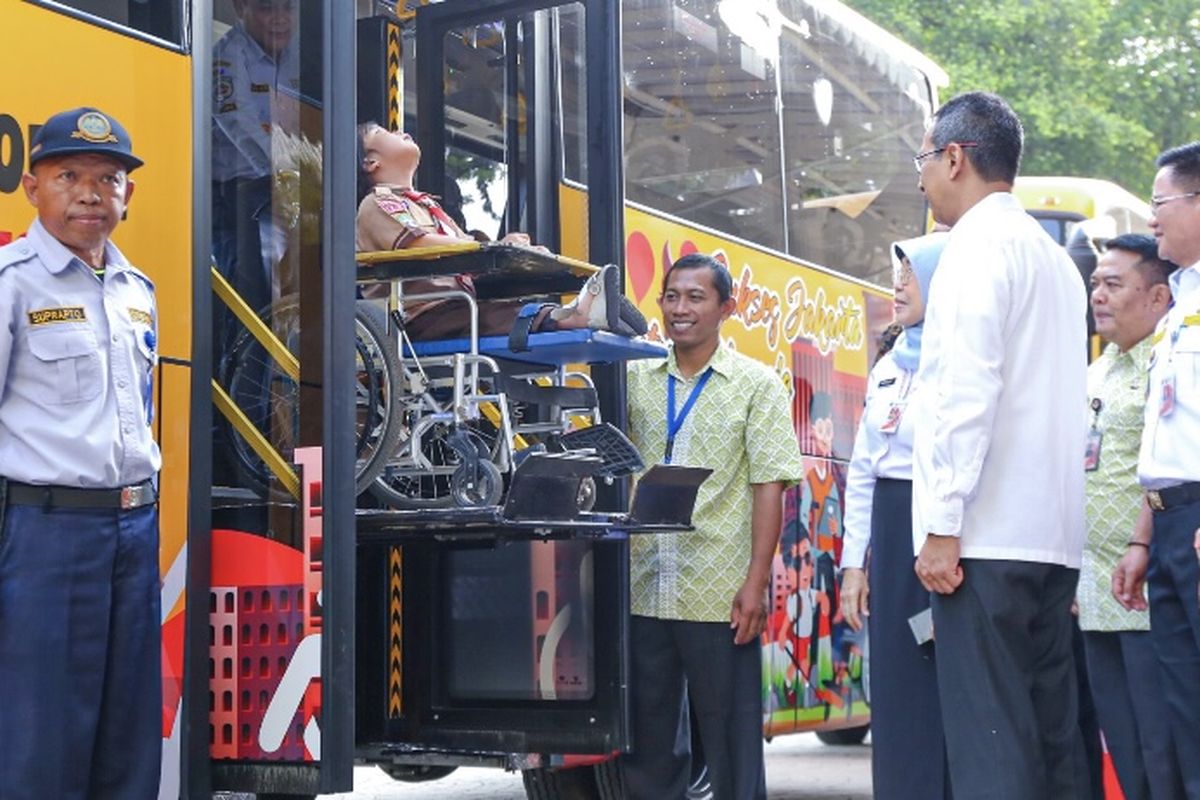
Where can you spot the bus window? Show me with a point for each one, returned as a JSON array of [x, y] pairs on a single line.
[[702, 138], [162, 19], [850, 130]]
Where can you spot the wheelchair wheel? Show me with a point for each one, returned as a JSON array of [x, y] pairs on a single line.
[[477, 485], [432, 484], [269, 397]]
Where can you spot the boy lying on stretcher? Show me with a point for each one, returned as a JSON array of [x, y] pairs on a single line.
[[393, 216]]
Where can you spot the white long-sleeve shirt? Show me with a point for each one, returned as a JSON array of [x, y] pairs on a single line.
[[1001, 390], [1169, 455], [881, 450]]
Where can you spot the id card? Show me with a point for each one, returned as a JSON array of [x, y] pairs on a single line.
[[1166, 402], [891, 423], [1091, 456], [921, 624]]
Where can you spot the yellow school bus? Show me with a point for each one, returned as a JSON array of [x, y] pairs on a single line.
[[300, 636]]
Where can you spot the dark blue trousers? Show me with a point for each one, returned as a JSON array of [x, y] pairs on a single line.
[[80, 655], [1127, 688], [1173, 579], [1006, 678], [908, 750], [675, 660]]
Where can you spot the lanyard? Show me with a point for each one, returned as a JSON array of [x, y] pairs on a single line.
[[674, 423]]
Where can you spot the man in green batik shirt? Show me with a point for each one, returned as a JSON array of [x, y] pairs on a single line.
[[699, 598], [1129, 296]]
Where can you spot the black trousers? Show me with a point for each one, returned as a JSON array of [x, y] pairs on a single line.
[[908, 750], [1006, 678], [1174, 579], [1127, 689], [671, 661]]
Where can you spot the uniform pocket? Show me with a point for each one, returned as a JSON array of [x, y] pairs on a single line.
[[71, 363]]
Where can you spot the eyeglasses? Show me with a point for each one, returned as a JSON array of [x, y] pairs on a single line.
[[1158, 202], [919, 158]]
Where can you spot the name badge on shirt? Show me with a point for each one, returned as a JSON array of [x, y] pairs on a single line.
[[1091, 455], [891, 422], [1166, 400]]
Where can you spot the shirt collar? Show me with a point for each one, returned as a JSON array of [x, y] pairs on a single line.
[[996, 201], [1190, 274], [55, 256], [721, 361], [1140, 352]]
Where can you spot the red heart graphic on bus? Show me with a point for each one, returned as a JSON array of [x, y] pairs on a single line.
[[639, 264]]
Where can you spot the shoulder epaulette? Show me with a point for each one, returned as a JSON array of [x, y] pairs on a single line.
[[15, 253]]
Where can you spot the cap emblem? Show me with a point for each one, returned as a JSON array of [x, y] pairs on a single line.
[[94, 127]]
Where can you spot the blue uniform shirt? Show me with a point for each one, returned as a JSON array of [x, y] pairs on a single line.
[[248, 103], [77, 359]]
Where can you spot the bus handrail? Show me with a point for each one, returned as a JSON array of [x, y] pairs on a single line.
[[258, 329]]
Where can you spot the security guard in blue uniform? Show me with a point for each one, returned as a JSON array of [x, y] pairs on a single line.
[[80, 663]]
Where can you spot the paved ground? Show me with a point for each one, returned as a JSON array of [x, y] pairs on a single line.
[[798, 768]]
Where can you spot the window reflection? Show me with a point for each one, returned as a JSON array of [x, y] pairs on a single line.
[[733, 107]]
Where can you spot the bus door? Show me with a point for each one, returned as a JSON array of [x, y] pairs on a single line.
[[484, 646], [268, 672]]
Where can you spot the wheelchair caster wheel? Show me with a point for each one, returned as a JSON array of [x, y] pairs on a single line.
[[478, 484]]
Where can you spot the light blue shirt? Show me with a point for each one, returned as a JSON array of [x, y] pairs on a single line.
[[77, 358], [248, 102], [1169, 454]]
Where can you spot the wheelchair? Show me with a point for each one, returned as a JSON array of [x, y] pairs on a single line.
[[446, 423]]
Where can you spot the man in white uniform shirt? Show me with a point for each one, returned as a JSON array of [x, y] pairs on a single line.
[[998, 517], [1169, 462]]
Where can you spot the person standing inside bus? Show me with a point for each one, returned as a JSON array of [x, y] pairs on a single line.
[[80, 659], [908, 755], [998, 519], [1169, 461], [700, 599], [1129, 296], [256, 82]]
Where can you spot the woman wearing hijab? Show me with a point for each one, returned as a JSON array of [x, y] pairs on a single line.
[[908, 754]]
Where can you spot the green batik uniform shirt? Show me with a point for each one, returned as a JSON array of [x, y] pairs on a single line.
[[1118, 381], [741, 428]]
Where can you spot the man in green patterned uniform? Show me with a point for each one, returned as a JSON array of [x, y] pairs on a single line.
[[699, 599], [1129, 296]]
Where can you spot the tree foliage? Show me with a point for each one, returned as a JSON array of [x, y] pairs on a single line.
[[1102, 86]]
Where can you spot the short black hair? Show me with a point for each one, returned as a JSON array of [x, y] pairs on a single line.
[[988, 121], [365, 182], [722, 280], [1153, 268], [1184, 162]]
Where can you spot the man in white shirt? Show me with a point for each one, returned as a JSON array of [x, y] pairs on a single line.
[[1169, 461], [998, 518]]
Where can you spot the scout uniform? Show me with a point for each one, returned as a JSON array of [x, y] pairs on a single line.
[[80, 696], [395, 218]]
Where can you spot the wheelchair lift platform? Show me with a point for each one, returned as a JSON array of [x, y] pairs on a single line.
[[541, 505]]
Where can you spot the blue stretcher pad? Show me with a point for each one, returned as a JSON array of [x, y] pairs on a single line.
[[555, 348]]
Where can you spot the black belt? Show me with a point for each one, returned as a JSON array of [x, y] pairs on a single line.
[[1173, 496], [126, 497]]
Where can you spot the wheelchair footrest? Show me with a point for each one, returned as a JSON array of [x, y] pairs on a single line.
[[619, 455], [546, 485]]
